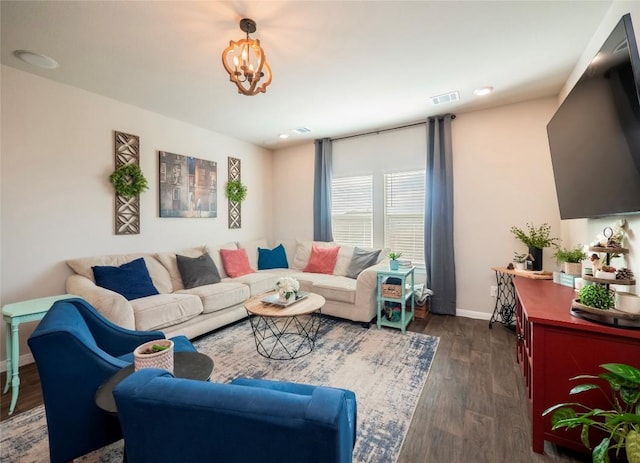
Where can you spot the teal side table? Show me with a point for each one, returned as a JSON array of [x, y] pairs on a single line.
[[402, 299], [14, 314]]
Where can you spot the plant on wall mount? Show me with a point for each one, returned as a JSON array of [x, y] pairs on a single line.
[[236, 191], [128, 180], [621, 422], [535, 237]]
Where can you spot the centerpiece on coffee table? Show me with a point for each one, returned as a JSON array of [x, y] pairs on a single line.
[[287, 289]]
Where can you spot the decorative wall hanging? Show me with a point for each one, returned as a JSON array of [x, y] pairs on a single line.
[[235, 211], [188, 186], [128, 182]]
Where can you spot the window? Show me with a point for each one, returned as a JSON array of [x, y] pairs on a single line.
[[352, 210], [404, 214]]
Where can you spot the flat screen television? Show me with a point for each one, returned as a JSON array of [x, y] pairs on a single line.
[[594, 136]]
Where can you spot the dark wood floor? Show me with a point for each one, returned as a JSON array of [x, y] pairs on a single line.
[[472, 409]]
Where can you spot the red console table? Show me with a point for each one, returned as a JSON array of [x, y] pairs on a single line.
[[554, 346]]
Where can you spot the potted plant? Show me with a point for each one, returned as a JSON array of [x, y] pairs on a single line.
[[536, 239], [571, 258], [154, 354], [393, 263], [287, 289], [596, 295], [621, 422], [520, 260]]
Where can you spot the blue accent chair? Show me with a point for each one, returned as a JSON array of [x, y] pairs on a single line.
[[167, 419], [76, 349]]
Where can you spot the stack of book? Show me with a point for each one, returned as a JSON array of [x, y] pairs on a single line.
[[404, 264]]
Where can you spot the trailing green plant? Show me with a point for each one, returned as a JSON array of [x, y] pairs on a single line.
[[621, 422], [394, 255], [596, 295], [535, 237], [236, 191], [571, 255], [128, 181]]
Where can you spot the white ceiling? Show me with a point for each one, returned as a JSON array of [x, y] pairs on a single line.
[[338, 67]]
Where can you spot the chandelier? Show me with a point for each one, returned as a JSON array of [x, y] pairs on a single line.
[[245, 62]]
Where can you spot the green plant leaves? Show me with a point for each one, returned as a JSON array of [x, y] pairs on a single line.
[[128, 181], [633, 446], [624, 371]]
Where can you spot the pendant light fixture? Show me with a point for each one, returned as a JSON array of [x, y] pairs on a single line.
[[245, 62]]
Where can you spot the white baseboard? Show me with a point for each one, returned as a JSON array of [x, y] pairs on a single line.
[[24, 359], [473, 314]]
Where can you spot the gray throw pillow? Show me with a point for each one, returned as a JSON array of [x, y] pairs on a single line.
[[197, 271], [361, 260]]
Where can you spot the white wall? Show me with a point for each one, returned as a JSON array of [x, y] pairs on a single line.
[[57, 202], [502, 177]]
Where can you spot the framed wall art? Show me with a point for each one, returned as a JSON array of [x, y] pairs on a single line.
[[188, 186]]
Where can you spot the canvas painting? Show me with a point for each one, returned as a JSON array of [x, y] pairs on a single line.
[[188, 186]]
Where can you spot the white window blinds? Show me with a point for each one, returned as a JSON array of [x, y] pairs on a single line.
[[404, 214], [352, 210]]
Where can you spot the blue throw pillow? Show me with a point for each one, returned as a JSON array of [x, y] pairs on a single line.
[[132, 280], [272, 258]]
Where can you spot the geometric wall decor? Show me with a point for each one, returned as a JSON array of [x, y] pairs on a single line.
[[188, 186], [235, 210], [127, 210]]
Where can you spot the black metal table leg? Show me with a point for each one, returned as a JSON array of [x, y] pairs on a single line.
[[505, 308]]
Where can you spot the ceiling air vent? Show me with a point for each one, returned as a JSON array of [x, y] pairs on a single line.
[[445, 98], [301, 130]]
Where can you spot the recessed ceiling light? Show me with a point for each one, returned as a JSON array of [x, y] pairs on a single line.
[[483, 91], [36, 59], [283, 136]]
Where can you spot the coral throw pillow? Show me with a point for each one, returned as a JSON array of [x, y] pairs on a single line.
[[322, 260], [236, 262]]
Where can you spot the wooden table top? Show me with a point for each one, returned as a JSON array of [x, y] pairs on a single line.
[[309, 304], [532, 274]]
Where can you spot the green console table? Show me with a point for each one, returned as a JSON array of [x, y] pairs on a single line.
[[14, 314], [403, 296]]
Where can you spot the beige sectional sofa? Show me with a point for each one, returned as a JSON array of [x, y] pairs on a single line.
[[196, 311]]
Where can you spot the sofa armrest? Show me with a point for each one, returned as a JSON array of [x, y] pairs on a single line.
[[367, 285], [110, 304]]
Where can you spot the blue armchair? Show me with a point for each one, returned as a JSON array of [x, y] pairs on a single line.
[[166, 419], [76, 349]]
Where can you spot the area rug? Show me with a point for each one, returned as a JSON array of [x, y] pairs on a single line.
[[385, 368]]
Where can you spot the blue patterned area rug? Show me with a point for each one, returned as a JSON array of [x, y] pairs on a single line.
[[386, 369]]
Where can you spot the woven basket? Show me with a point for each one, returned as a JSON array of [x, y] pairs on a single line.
[[162, 359], [393, 291]]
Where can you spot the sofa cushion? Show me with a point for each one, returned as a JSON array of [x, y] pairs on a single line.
[[272, 258], [214, 252], [197, 271], [159, 275], [259, 282], [344, 259], [252, 250], [219, 296], [322, 260], [361, 260], [236, 262], [336, 288], [303, 252], [168, 260], [163, 310], [131, 280]]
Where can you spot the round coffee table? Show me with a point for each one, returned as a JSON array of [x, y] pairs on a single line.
[[189, 365], [285, 333]]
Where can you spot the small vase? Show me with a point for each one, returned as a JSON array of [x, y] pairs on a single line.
[[394, 264], [571, 268], [163, 359], [282, 297], [520, 265], [536, 253]]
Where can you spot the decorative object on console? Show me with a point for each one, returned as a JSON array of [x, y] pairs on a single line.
[[597, 296], [236, 198], [520, 260], [188, 186], [129, 182], [236, 262], [287, 289], [154, 354], [628, 302], [246, 62], [393, 262], [571, 258], [620, 422], [536, 239]]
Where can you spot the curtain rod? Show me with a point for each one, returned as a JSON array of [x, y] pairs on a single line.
[[376, 132]]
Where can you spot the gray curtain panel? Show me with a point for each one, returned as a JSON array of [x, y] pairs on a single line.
[[322, 191], [438, 216]]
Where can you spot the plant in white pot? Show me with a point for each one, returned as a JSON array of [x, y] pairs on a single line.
[[571, 258], [520, 260], [536, 239]]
